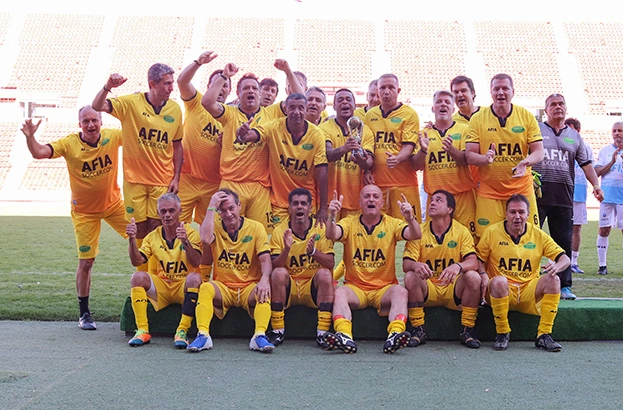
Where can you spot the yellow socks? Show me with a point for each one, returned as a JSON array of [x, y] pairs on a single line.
[[549, 309], [398, 325], [500, 314], [261, 314], [205, 308], [343, 325], [468, 316], [416, 316], [139, 306]]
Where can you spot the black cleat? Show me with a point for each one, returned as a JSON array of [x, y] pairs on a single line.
[[418, 337], [322, 344], [340, 341], [396, 341], [603, 270], [546, 342], [501, 341], [468, 338], [275, 338]]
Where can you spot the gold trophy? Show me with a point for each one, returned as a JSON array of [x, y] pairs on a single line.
[[355, 129]]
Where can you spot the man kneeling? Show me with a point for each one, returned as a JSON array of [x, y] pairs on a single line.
[[303, 261], [241, 271], [441, 270], [370, 277], [512, 251], [176, 249]]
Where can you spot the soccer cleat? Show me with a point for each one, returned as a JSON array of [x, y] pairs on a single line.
[[275, 338], [603, 270], [140, 338], [340, 341], [86, 322], [322, 344], [576, 269], [180, 341], [201, 342], [418, 337], [501, 341], [468, 338], [262, 344], [396, 341], [546, 342], [566, 294]]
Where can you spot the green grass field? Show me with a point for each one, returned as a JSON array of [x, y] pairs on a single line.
[[37, 270]]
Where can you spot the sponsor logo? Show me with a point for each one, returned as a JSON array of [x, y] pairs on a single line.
[[569, 140], [452, 244], [168, 118], [530, 245], [105, 141], [483, 221], [381, 235], [317, 237], [246, 239], [129, 209], [84, 248], [518, 128], [307, 147], [396, 120], [455, 137]]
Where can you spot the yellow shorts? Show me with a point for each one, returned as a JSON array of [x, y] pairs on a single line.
[[141, 201], [490, 211], [233, 297], [441, 295], [254, 200], [301, 293], [391, 196], [87, 228], [278, 215], [164, 293], [195, 195], [370, 297], [522, 297]]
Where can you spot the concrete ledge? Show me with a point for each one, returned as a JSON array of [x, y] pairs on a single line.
[[584, 319]]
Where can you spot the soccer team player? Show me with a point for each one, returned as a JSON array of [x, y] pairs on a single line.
[[92, 163], [176, 250], [303, 261], [265, 166]]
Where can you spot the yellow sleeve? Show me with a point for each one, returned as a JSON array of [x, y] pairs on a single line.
[[412, 250], [276, 241], [367, 140], [60, 147], [411, 130], [466, 243], [193, 237], [147, 246], [261, 241]]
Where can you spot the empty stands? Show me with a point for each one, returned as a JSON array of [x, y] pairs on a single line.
[[54, 50]]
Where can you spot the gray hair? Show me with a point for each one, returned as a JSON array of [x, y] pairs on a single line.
[[157, 71], [170, 196]]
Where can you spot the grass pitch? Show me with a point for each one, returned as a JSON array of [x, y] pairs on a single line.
[[38, 263]]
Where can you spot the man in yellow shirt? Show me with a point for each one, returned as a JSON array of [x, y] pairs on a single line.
[[503, 141], [511, 251], [176, 250], [152, 131], [92, 163], [241, 274], [303, 259], [369, 240]]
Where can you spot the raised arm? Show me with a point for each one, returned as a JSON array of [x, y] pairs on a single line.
[[100, 103], [187, 90], [334, 231], [37, 150], [209, 100]]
